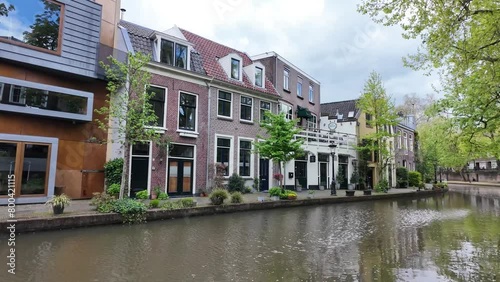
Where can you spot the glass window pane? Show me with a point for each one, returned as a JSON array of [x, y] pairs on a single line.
[[35, 167], [180, 56], [235, 69], [7, 165], [140, 149], [182, 151], [158, 104], [258, 77], [39, 24], [167, 52]]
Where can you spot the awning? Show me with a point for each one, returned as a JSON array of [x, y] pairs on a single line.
[[303, 112]]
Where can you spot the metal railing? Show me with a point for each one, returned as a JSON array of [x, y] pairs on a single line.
[[314, 136]]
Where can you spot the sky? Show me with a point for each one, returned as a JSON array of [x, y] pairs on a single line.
[[328, 39], [20, 18]]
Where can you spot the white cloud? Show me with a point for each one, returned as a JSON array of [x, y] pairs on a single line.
[[327, 39]]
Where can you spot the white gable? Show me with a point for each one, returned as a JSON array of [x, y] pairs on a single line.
[[175, 32]]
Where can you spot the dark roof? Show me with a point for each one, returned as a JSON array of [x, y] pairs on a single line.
[[212, 51], [342, 108], [142, 41]]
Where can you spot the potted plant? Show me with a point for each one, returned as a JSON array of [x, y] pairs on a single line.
[[156, 192], [58, 203], [354, 179], [340, 177], [203, 193]]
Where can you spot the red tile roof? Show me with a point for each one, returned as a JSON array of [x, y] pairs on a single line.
[[212, 51]]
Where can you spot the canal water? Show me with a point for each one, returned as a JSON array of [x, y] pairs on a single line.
[[453, 237]]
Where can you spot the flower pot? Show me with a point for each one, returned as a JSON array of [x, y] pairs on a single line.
[[260, 199], [299, 188], [351, 186], [154, 196], [290, 197], [275, 198], [367, 192], [349, 193], [321, 187], [58, 209]]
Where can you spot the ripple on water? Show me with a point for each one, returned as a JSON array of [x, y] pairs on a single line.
[[409, 218]]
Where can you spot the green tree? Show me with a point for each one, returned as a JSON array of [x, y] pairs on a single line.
[[281, 145], [128, 111], [4, 9], [45, 30], [375, 102], [462, 40]]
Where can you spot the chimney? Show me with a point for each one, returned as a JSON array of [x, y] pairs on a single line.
[[122, 13]]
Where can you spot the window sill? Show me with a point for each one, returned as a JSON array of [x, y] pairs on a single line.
[[157, 129], [300, 97], [225, 118], [188, 134], [311, 103], [246, 121], [287, 91]]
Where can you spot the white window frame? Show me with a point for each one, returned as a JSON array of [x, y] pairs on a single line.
[[260, 108], [164, 127], [252, 156], [150, 162], [22, 100], [230, 102], [311, 94], [410, 145], [299, 89], [158, 52], [405, 140], [350, 114], [240, 78], [1, 90], [281, 104], [197, 112], [231, 152], [400, 140], [311, 124], [261, 78], [286, 79], [251, 108]]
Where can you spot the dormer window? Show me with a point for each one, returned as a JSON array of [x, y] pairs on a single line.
[[235, 68], [173, 54], [258, 76]]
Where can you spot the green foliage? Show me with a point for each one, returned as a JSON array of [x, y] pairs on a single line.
[[132, 211], [401, 177], [113, 171], [60, 200], [113, 189], [340, 178], [256, 184], [128, 111], [382, 186], [218, 196], [461, 40], [414, 178], [103, 202], [355, 176], [280, 145], [4, 10], [153, 204], [142, 195], [275, 191], [187, 202], [45, 30], [248, 190], [216, 174], [287, 194], [375, 102], [236, 183], [236, 198], [162, 196]]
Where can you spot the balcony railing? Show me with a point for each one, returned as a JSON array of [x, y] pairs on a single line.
[[313, 136]]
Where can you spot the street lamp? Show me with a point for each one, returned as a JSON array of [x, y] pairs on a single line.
[[333, 190]]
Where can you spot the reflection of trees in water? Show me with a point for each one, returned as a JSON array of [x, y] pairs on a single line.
[[45, 30]]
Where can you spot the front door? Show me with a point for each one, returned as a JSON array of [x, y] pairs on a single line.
[[180, 177], [139, 168], [301, 173], [263, 174], [323, 174]]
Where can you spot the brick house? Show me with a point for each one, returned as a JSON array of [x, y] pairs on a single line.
[[48, 92], [405, 143]]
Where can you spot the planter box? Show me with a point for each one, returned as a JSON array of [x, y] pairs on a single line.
[[275, 198], [367, 192], [321, 188], [349, 193]]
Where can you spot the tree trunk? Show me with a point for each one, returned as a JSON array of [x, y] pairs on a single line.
[[126, 169], [284, 173]]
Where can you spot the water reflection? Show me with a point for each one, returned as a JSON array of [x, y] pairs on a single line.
[[447, 238]]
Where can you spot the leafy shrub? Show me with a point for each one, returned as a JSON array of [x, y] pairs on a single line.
[[154, 204], [382, 186], [401, 177], [142, 195], [285, 195], [187, 203], [131, 210], [171, 206], [236, 198], [275, 191], [113, 171], [414, 178], [421, 185], [256, 184], [218, 196], [113, 189], [248, 190], [236, 183], [103, 202], [162, 196]]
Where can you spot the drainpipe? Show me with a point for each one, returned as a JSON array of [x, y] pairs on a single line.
[[208, 131]]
